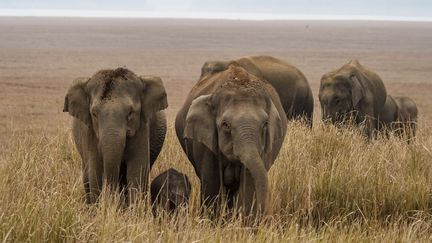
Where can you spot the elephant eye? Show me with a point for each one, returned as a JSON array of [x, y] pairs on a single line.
[[337, 100], [226, 126], [265, 124], [129, 116], [94, 114]]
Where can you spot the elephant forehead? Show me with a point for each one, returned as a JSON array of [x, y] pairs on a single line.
[[113, 74], [240, 114], [245, 86], [336, 81], [106, 81], [240, 101], [178, 188], [327, 80], [112, 89], [107, 88]]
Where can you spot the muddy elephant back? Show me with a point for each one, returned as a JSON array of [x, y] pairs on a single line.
[[158, 128]]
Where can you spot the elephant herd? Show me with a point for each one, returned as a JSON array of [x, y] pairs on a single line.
[[231, 127]]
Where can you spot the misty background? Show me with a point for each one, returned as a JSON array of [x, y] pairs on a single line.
[[389, 8]]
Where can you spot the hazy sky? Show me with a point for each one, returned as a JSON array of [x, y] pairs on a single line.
[[404, 8]]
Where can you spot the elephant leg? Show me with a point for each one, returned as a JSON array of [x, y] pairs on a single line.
[[137, 177], [86, 182], [308, 107], [95, 180], [371, 127], [309, 116], [309, 120], [81, 141], [138, 163], [369, 123], [123, 181], [413, 127], [210, 181]]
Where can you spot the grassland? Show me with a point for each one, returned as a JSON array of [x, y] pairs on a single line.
[[326, 185]]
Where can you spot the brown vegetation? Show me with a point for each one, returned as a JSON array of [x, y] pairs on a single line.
[[326, 184]]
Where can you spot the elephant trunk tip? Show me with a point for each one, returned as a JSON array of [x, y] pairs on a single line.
[[254, 163]]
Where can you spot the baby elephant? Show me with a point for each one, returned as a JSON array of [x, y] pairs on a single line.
[[170, 189], [399, 116]]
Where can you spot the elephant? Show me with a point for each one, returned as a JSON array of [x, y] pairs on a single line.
[[399, 116], [231, 127], [118, 128], [170, 190], [290, 83], [352, 93]]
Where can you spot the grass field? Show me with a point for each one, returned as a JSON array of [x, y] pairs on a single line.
[[326, 185]]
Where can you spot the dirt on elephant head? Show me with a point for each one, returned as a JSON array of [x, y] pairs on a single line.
[[110, 77], [239, 78]]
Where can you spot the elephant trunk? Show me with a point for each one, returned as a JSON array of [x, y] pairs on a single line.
[[112, 147], [247, 149]]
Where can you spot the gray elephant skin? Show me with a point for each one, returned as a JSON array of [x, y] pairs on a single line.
[[399, 116], [354, 93], [231, 127], [118, 128], [170, 190], [290, 83]]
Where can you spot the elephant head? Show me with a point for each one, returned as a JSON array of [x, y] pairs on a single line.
[[212, 67], [115, 105], [171, 189], [341, 92], [241, 122]]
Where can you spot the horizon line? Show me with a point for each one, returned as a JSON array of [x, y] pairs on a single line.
[[197, 15]]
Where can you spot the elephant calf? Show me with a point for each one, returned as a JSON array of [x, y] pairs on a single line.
[[399, 116], [353, 93], [118, 128], [170, 190]]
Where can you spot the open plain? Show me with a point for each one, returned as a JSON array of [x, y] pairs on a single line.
[[325, 185]]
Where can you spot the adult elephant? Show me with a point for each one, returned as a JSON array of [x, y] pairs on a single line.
[[231, 127], [352, 92], [118, 128], [289, 82], [399, 116]]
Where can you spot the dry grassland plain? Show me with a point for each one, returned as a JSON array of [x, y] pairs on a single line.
[[326, 185]]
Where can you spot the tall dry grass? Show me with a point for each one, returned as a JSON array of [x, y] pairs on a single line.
[[326, 185]]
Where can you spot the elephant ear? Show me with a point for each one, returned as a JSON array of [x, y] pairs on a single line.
[[357, 92], [153, 96], [200, 123], [77, 101], [275, 130]]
